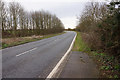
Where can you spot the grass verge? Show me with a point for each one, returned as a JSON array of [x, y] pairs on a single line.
[[79, 44], [9, 42], [108, 65]]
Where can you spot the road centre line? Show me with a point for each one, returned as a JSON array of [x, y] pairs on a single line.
[[25, 52]]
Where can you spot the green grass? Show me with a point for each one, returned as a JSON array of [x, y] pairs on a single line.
[[107, 64], [4, 45], [80, 45]]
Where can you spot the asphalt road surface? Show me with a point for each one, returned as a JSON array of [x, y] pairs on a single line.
[[35, 59]]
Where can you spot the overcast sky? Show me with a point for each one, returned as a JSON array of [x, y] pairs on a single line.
[[66, 10]]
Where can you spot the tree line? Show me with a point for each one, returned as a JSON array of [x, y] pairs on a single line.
[[16, 22], [100, 25]]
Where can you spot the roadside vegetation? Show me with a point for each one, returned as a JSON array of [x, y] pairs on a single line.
[[9, 42], [79, 44], [108, 65], [99, 35], [17, 22], [19, 26]]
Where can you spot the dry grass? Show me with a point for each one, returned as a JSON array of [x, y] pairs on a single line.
[[92, 39], [8, 42], [19, 39]]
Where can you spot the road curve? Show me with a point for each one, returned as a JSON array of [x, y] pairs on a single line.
[[35, 59]]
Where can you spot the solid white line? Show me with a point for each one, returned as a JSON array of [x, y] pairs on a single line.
[[25, 52], [54, 71]]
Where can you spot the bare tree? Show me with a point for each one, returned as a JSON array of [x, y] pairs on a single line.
[[3, 15], [22, 18], [14, 9], [18, 22]]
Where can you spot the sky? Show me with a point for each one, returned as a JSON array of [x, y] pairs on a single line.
[[66, 10]]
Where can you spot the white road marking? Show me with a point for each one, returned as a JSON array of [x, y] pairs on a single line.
[[54, 71], [55, 40], [25, 52], [52, 42]]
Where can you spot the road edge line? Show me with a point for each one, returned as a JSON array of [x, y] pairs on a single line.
[[55, 69]]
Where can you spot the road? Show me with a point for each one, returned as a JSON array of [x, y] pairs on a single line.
[[35, 59]]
